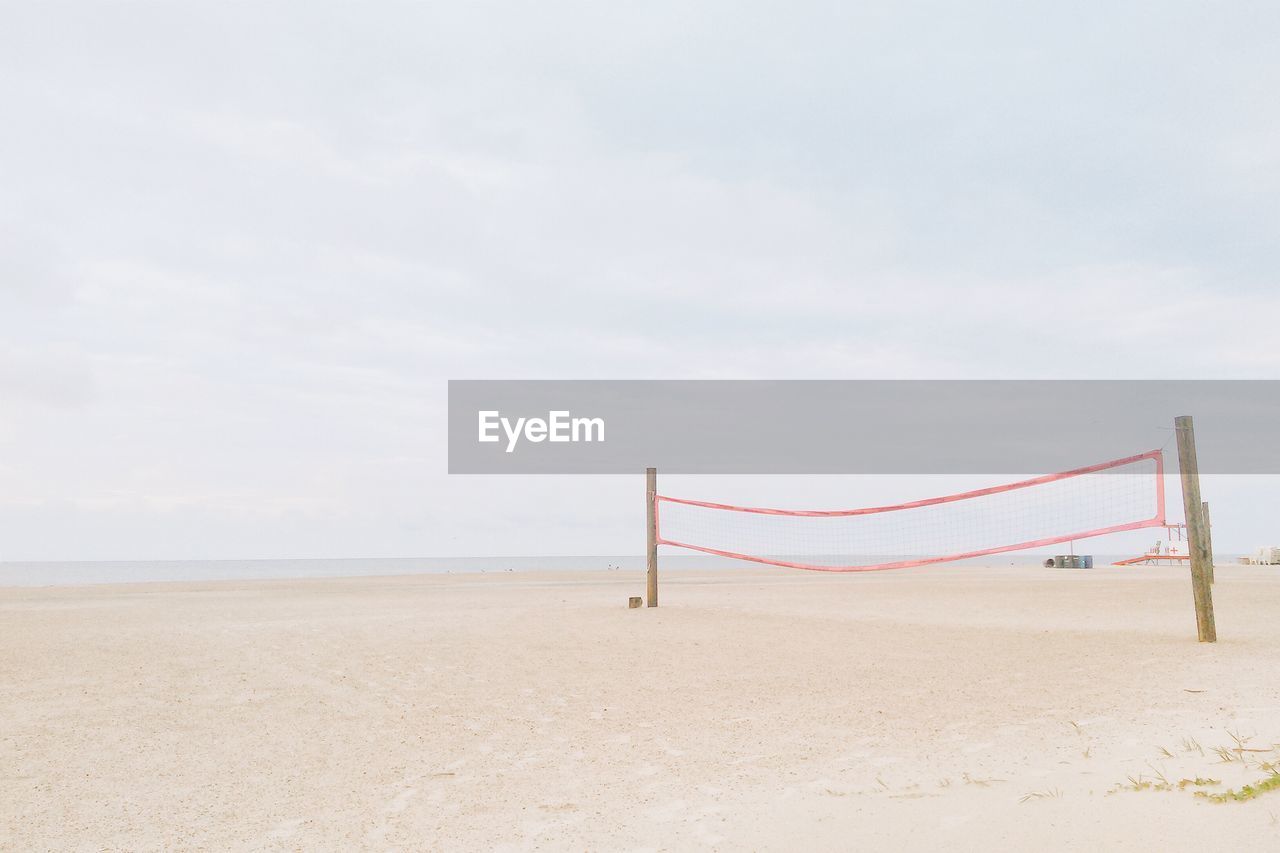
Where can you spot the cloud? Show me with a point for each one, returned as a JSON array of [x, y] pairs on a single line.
[[249, 245]]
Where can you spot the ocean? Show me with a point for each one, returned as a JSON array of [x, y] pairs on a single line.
[[53, 573]]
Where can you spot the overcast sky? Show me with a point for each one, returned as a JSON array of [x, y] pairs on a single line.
[[243, 246]]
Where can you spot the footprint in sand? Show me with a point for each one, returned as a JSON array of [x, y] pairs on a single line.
[[401, 801], [286, 828]]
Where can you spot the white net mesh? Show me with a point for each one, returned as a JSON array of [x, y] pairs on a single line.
[[1125, 494]]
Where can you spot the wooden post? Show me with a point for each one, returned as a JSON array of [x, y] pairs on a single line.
[[1208, 535], [651, 531], [1197, 529]]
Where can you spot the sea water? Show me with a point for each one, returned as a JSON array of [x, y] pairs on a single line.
[[127, 571]]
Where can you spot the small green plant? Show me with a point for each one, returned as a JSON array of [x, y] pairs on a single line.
[[1248, 792], [1142, 783], [1051, 794], [1239, 751], [1198, 782], [1242, 745]]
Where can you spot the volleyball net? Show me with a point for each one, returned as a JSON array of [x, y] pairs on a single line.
[[1109, 497]]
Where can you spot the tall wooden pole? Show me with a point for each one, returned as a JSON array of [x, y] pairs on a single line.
[[1208, 531], [1197, 529], [651, 530]]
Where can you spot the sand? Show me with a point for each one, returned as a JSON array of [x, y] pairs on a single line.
[[934, 708]]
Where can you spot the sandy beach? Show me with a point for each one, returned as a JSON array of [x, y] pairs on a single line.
[[949, 708]]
